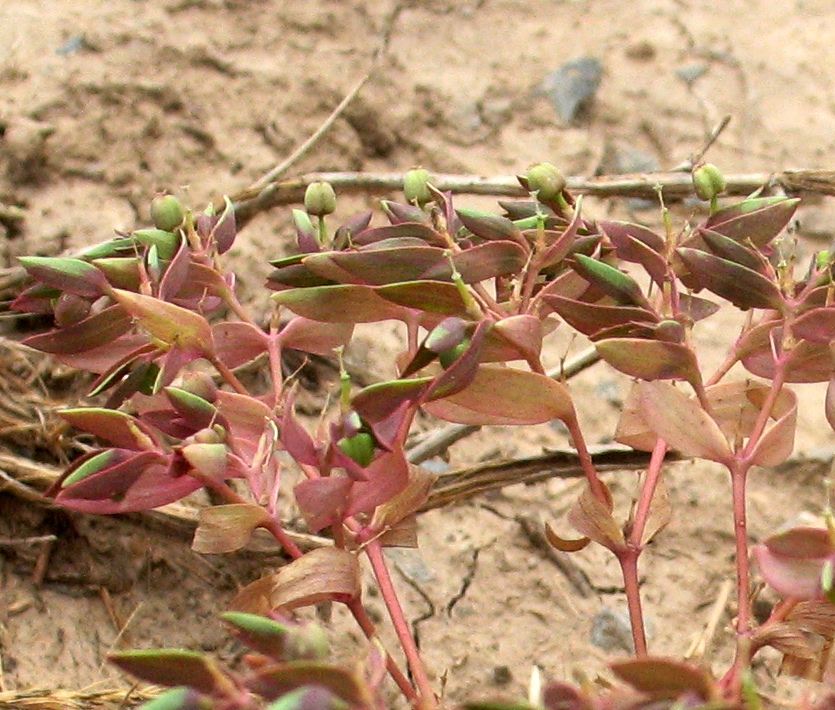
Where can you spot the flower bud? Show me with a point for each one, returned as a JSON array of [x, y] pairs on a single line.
[[416, 186], [166, 212], [546, 180], [708, 181], [319, 199]]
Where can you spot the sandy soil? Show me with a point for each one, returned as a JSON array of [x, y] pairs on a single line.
[[104, 103]]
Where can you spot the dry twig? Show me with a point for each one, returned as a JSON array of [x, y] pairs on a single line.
[[674, 186]]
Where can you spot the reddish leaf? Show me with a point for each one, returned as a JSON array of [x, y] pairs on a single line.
[[315, 679], [378, 401], [340, 304], [431, 296], [461, 372], [312, 336], [757, 220], [95, 331], [777, 444], [816, 325], [792, 561], [695, 308], [226, 528], [387, 477], [323, 501], [490, 226], [638, 245], [503, 395], [118, 428], [142, 482], [375, 266], [682, 422], [732, 250], [806, 361], [666, 679], [320, 575], [174, 667], [593, 519], [407, 502], [738, 284], [523, 333], [589, 318], [407, 229], [481, 262], [237, 343], [650, 359]]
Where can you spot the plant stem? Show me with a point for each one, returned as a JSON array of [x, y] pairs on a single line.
[[370, 631], [586, 461], [374, 550], [628, 559], [642, 511], [739, 474], [228, 375]]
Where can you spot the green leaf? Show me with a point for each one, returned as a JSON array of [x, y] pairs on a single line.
[[613, 282], [175, 699], [167, 322], [66, 274]]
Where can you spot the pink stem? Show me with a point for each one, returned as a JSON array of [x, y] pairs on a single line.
[[374, 550], [628, 559], [586, 461]]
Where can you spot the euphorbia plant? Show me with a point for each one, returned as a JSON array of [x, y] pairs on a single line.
[[155, 315]]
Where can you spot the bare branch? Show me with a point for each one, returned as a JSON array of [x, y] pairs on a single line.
[[674, 186]]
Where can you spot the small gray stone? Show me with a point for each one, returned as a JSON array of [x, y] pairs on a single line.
[[689, 73], [611, 631], [572, 85]]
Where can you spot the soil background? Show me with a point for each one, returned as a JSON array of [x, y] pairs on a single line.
[[103, 103]]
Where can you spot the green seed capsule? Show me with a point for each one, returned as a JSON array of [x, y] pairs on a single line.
[[708, 181], [359, 447], [167, 213], [319, 199], [416, 186], [547, 181]]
